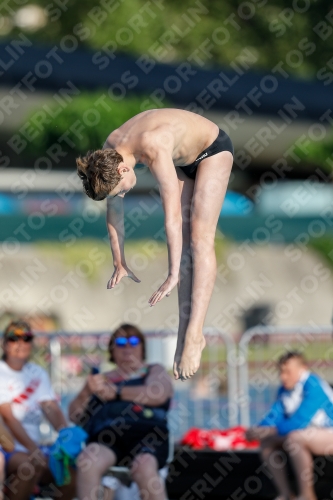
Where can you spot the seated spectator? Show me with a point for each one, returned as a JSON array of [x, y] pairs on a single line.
[[2, 473], [26, 393], [125, 414], [300, 422], [6, 444]]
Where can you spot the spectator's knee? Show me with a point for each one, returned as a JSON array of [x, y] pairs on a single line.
[[31, 468], [2, 466], [87, 461], [144, 467], [36, 462]]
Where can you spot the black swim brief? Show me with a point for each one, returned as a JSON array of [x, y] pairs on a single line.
[[221, 143]]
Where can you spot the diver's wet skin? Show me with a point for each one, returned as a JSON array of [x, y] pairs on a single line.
[[192, 168]]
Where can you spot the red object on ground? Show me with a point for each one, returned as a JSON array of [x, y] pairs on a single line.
[[218, 440]]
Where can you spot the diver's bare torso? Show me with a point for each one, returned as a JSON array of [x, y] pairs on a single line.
[[182, 133]]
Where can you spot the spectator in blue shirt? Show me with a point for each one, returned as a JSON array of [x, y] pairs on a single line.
[[300, 422]]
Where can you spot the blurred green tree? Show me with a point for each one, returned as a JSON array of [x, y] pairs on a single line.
[[285, 32], [93, 130], [323, 247], [318, 153]]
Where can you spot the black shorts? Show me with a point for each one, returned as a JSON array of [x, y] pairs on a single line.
[[135, 442], [221, 143]]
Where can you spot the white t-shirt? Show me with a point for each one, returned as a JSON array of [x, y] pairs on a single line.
[[25, 389]]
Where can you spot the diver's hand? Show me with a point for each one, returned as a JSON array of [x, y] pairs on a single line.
[[164, 290], [120, 272]]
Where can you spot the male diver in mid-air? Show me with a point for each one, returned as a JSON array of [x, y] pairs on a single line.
[[191, 160]]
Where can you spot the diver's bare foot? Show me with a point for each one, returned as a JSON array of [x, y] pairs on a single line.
[[190, 358], [175, 367], [177, 358]]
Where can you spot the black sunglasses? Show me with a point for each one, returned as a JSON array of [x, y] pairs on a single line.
[[15, 338]]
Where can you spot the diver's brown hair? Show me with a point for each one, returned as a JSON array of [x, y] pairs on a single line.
[[98, 172]]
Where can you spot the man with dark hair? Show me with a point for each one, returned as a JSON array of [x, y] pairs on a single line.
[[191, 159], [300, 422], [290, 355]]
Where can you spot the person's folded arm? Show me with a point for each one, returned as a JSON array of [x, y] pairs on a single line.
[[313, 399], [6, 439], [79, 404], [267, 425], [274, 415], [16, 428], [156, 390], [54, 414]]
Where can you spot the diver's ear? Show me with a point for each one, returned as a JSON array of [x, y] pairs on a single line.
[[82, 175], [122, 168]]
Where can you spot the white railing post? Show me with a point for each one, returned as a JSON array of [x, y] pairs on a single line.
[[232, 361], [55, 364]]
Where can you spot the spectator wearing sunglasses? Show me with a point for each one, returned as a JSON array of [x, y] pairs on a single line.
[[25, 394], [124, 412]]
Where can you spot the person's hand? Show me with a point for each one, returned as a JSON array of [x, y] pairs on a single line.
[[99, 386], [164, 290], [257, 433], [120, 272], [95, 383], [250, 434], [108, 392]]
